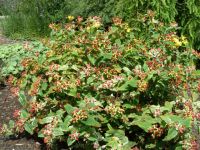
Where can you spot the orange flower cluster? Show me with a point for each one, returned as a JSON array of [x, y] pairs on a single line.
[[35, 87], [180, 128], [196, 53], [114, 110], [48, 129], [10, 79], [15, 91], [79, 114], [74, 136], [142, 85], [117, 21], [156, 131], [19, 125], [138, 72], [26, 62]]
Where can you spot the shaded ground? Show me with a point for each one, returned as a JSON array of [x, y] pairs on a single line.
[[7, 104]]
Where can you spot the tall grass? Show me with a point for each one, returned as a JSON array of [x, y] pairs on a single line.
[[30, 18], [26, 19]]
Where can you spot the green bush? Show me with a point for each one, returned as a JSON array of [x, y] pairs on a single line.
[[110, 88]]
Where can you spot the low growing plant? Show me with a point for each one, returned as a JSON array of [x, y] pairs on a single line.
[[110, 88], [12, 54]]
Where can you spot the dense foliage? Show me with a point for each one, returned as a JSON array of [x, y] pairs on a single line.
[[112, 87], [11, 55]]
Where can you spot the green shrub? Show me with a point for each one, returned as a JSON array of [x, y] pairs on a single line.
[[110, 88]]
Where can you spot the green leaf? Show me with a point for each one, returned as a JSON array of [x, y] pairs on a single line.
[[145, 122], [50, 79], [28, 128], [44, 86], [67, 119], [145, 67], [129, 145], [47, 120], [168, 106], [65, 125], [60, 112], [127, 70], [155, 36], [11, 124], [41, 59], [24, 114], [129, 83], [127, 106], [72, 92], [93, 139], [57, 132], [107, 56], [196, 73], [109, 126], [179, 147], [172, 133], [91, 122], [114, 29], [118, 42], [91, 59], [31, 125], [150, 146], [40, 134], [90, 80], [63, 68], [69, 108], [22, 99], [168, 118], [70, 141]]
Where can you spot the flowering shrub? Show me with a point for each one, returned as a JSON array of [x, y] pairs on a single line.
[[110, 88]]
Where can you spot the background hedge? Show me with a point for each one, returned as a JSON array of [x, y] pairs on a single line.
[[31, 17]]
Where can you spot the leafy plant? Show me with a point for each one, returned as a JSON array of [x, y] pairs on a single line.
[[12, 54], [113, 87]]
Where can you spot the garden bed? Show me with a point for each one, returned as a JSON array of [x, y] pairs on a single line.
[[8, 104]]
